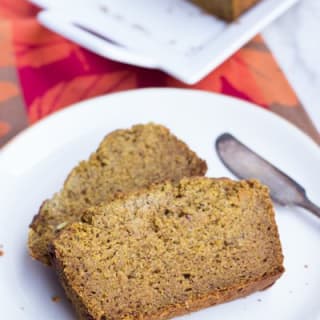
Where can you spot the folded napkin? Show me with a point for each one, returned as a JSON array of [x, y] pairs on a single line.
[[41, 72]]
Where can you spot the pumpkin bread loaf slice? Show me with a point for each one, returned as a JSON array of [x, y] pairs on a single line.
[[169, 250], [226, 9], [126, 160]]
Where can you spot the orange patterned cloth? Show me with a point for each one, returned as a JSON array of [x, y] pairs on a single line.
[[41, 72]]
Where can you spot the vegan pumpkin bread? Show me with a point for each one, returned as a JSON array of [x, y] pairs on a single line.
[[169, 250], [226, 9], [126, 160]]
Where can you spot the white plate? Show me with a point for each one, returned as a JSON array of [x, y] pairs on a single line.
[[172, 35], [34, 165]]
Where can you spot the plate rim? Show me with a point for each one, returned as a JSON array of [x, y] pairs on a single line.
[[72, 108]]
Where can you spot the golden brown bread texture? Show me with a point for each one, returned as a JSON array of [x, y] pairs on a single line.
[[226, 9], [170, 250], [126, 160]]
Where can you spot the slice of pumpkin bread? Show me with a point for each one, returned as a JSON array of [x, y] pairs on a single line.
[[169, 250], [126, 160], [226, 9]]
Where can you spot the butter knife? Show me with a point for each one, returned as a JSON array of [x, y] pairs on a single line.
[[246, 164]]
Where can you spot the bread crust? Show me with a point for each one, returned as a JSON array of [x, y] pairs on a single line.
[[214, 298]]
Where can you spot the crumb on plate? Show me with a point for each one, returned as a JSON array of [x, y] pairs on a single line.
[[56, 299]]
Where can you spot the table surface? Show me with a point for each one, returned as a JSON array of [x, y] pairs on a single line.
[[293, 41]]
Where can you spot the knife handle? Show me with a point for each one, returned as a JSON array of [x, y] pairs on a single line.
[[310, 206]]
